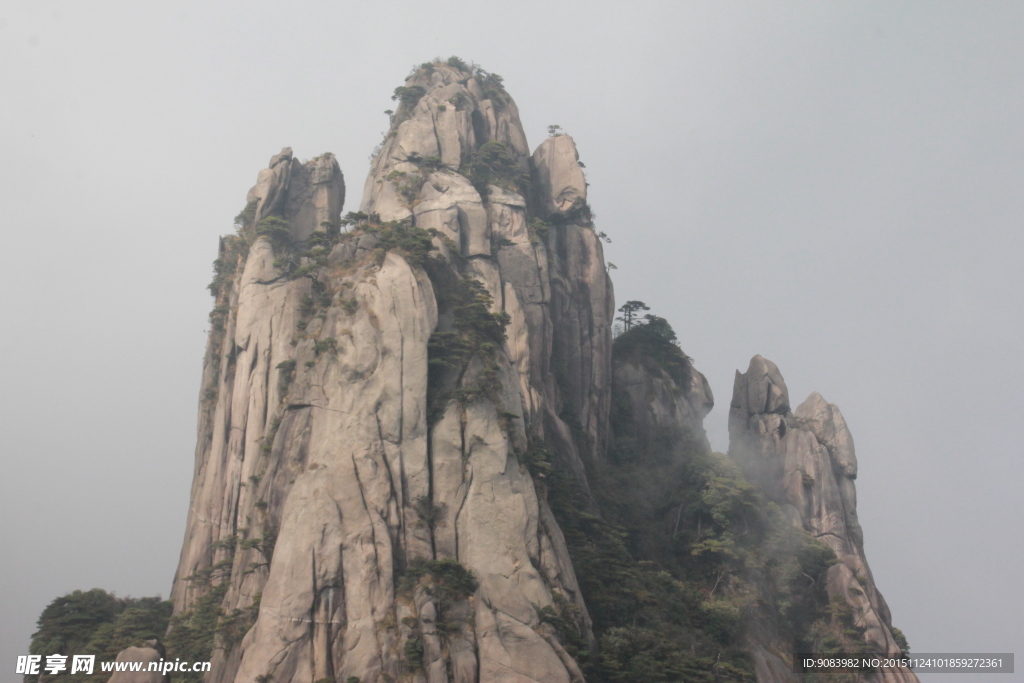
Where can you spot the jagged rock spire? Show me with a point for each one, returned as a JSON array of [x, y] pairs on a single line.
[[804, 460]]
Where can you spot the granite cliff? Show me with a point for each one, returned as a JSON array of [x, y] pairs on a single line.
[[421, 456], [371, 406]]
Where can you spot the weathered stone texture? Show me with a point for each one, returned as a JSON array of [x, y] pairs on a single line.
[[338, 470], [324, 473]]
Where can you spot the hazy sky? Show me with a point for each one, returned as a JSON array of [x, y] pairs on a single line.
[[837, 186]]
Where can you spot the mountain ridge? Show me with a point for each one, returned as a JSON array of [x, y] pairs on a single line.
[[422, 455]]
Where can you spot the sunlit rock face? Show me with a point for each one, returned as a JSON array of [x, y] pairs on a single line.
[[334, 461], [804, 460]]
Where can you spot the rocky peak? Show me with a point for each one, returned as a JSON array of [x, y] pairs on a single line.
[[656, 394], [445, 113], [305, 195], [367, 432], [805, 462], [760, 389]]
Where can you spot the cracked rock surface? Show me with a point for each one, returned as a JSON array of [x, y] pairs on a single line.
[[367, 500], [323, 480]]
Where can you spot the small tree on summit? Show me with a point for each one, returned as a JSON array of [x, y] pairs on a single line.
[[631, 312]]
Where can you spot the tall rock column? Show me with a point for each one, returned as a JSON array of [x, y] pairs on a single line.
[[804, 460], [362, 505], [582, 305], [455, 162]]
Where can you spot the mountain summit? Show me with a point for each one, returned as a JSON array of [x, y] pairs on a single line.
[[422, 456]]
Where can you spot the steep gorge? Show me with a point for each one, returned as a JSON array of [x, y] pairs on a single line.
[[421, 456]]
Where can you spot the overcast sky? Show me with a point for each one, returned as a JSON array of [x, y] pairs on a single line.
[[836, 186]]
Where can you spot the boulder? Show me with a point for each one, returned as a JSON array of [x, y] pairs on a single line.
[[557, 168], [149, 653]]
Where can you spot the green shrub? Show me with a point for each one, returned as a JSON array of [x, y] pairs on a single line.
[[457, 63], [429, 162], [246, 216], [316, 301], [329, 344], [414, 653], [409, 96], [193, 633], [233, 251], [538, 460], [267, 441], [458, 99], [538, 229], [218, 316], [231, 628], [447, 581], [499, 242], [287, 368], [475, 332], [493, 87], [408, 185], [276, 230], [493, 164], [652, 341], [901, 640], [428, 512], [352, 219], [413, 243], [98, 623]]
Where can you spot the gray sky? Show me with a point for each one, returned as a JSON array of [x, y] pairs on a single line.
[[837, 186]]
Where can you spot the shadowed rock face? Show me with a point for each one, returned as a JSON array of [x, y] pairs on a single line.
[[804, 460], [319, 482], [656, 401]]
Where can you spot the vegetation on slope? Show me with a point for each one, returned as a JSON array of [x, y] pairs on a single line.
[[676, 552], [97, 623]]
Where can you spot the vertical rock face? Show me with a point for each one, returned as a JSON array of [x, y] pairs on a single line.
[[306, 195], [804, 460], [540, 259], [385, 395], [361, 500]]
